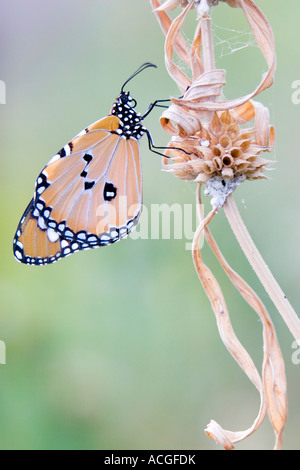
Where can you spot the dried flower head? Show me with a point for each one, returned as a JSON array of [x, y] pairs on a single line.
[[222, 150]]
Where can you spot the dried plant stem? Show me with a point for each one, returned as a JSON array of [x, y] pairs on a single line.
[[207, 44], [273, 370], [225, 437], [261, 269]]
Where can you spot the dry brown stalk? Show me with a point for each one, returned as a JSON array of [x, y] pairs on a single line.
[[255, 259], [221, 153], [273, 374]]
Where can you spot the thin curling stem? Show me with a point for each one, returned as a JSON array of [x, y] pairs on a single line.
[[261, 269]]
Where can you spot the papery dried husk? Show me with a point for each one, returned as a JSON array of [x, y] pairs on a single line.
[[221, 148], [208, 85], [231, 3], [262, 270], [202, 97], [186, 122], [175, 72], [227, 438], [273, 370], [263, 34], [177, 121], [171, 4], [264, 133], [180, 46], [197, 66]]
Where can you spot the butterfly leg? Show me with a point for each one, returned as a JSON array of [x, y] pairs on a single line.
[[155, 104], [152, 147]]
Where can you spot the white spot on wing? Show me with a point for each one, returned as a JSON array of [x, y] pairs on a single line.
[[18, 255], [52, 235], [64, 243], [41, 223], [41, 189], [67, 150]]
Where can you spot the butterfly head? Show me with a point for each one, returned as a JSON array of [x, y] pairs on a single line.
[[124, 99], [124, 104]]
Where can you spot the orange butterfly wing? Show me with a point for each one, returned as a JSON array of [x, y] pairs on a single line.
[[88, 195], [33, 245]]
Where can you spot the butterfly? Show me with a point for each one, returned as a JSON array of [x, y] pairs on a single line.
[[90, 193]]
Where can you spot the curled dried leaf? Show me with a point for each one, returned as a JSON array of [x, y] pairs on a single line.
[[263, 34], [176, 73], [177, 121], [180, 45]]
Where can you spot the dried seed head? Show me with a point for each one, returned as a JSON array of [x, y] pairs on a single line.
[[222, 150]]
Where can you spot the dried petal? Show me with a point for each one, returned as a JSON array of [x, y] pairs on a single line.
[[185, 123], [171, 4]]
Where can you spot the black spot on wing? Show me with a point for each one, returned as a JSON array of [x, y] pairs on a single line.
[[88, 158], [89, 184], [109, 192]]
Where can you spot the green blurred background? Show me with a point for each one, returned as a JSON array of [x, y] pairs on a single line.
[[118, 348]]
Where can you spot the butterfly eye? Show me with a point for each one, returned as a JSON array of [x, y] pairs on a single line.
[[124, 97]]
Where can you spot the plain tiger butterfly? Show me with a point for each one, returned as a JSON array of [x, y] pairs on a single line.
[[90, 193]]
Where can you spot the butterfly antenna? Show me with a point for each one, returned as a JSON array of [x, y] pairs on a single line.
[[140, 69]]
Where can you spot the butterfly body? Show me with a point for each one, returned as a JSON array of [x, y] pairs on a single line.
[[90, 193], [129, 120]]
